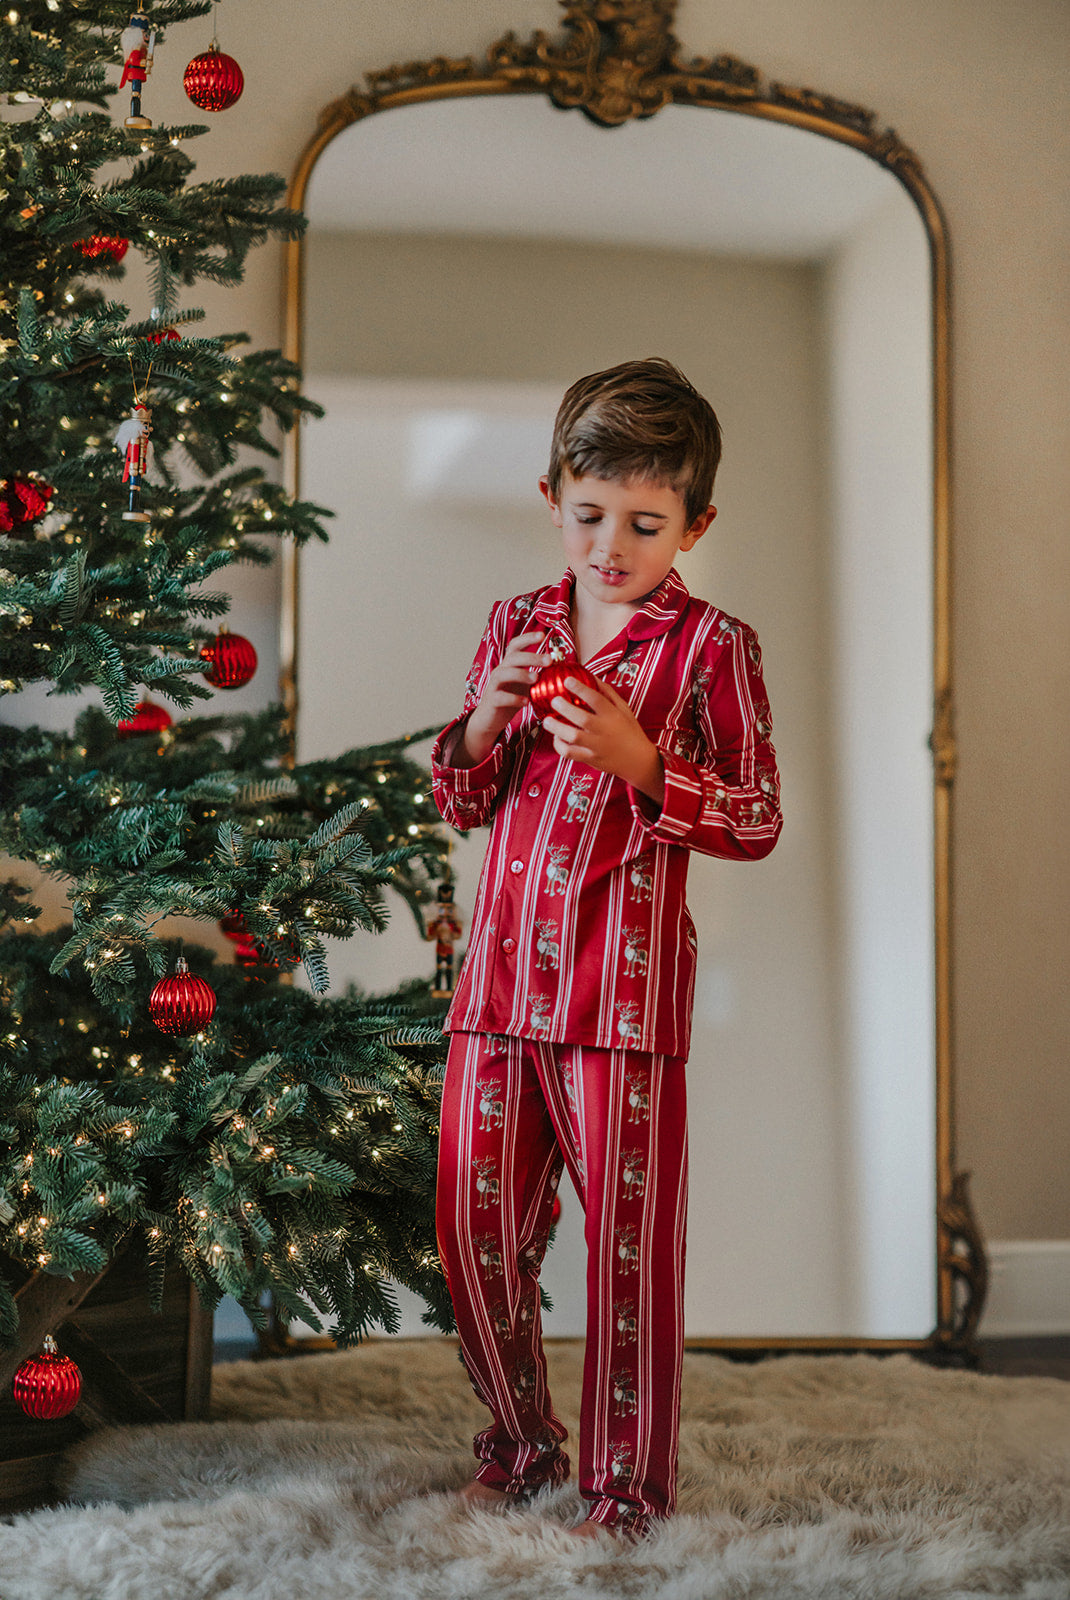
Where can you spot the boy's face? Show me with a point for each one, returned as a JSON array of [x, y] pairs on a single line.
[[621, 539]]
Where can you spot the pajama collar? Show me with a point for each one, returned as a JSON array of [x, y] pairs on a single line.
[[655, 616]]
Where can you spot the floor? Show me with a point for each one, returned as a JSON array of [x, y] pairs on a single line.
[[1036, 1358]]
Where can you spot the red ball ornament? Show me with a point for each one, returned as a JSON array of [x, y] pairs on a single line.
[[213, 80], [48, 1385], [551, 682], [182, 1004], [232, 660], [148, 718], [23, 501], [102, 244], [233, 925], [164, 333]]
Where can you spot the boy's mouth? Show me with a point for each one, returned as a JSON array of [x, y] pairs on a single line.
[[610, 574]]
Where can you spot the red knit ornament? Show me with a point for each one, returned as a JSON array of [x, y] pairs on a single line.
[[213, 80], [182, 1004], [164, 333], [148, 718], [23, 501], [48, 1385], [102, 244], [551, 682], [232, 660]]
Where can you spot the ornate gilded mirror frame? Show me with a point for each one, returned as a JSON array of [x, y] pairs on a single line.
[[618, 61]]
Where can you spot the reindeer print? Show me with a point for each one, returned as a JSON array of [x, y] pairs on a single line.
[[635, 952], [523, 605], [763, 721], [539, 1020], [687, 745], [627, 1328], [486, 1183], [524, 1380], [547, 949], [577, 801], [624, 1394], [557, 873], [500, 1318], [626, 672], [638, 1098], [490, 1257], [622, 1462], [642, 880], [627, 1249], [727, 629], [628, 1029], [490, 1109], [569, 1087], [633, 1176]]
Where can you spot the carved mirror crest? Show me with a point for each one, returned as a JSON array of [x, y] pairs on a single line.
[[618, 64]]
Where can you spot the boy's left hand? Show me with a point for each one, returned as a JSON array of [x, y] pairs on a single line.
[[604, 734]]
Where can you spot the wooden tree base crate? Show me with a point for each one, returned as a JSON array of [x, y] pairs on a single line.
[[137, 1365]]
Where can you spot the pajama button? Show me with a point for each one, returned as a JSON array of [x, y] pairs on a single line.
[[516, 866], [534, 791], [508, 945]]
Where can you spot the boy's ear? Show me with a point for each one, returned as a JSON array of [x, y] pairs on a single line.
[[698, 528], [548, 496]]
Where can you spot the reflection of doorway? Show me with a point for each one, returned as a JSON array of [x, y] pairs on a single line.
[[433, 478]]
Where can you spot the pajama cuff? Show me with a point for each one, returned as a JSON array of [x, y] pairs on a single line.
[[681, 807], [477, 780]]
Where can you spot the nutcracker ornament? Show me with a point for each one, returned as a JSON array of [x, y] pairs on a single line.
[[445, 928], [138, 42], [132, 438]]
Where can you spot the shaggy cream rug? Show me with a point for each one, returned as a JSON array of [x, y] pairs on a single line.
[[804, 1478]]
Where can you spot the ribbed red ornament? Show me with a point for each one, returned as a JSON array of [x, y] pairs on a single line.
[[232, 658], [182, 1004], [213, 80], [164, 333], [551, 682], [102, 244], [148, 718], [48, 1385]]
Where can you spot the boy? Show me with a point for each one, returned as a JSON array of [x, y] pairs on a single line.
[[571, 1020]]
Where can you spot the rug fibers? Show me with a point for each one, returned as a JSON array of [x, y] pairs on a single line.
[[803, 1478]]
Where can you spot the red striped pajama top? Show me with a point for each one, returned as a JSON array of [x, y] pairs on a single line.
[[580, 932]]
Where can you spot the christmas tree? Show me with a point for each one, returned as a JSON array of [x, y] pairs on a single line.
[[286, 1143]]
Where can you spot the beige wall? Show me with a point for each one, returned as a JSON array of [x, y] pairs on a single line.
[[979, 91]]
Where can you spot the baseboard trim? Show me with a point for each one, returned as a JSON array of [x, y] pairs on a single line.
[[1029, 1288]]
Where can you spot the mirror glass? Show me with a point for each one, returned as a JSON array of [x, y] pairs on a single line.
[[466, 260]]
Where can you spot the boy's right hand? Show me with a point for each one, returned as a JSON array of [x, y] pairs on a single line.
[[507, 689]]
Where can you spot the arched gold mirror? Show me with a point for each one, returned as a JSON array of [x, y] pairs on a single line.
[[553, 207]]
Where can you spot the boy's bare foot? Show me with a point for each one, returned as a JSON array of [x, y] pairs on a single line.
[[484, 1497], [588, 1530]]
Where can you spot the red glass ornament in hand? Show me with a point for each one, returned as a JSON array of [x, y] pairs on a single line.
[[213, 80], [182, 1004], [551, 682], [47, 1385], [232, 658]]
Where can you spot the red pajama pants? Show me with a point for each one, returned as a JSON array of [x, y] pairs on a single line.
[[514, 1112]]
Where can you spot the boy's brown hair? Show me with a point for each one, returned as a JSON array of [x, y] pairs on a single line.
[[643, 420]]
